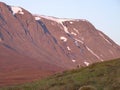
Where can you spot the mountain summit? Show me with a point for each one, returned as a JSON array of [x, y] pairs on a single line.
[[34, 46]]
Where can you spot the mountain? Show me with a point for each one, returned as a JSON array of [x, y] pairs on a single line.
[[35, 46]]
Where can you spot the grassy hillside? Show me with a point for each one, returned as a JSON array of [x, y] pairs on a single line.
[[100, 76]]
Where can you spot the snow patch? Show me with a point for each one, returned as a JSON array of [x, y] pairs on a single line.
[[58, 19], [75, 30], [16, 10], [84, 20], [105, 38], [79, 41], [64, 27], [86, 63], [71, 22], [73, 33], [68, 48], [73, 60], [63, 39], [94, 53], [61, 20], [37, 18]]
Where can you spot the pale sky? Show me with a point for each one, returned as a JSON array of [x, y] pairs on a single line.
[[103, 14]]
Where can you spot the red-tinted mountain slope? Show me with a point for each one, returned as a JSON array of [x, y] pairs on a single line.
[[33, 46]]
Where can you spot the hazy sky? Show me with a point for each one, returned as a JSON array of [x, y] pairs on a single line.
[[103, 14]]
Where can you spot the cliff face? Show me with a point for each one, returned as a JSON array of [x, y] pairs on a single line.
[[81, 42], [47, 45]]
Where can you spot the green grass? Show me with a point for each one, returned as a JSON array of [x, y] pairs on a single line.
[[99, 76]]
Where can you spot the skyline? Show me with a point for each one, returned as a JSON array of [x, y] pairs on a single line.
[[103, 14]]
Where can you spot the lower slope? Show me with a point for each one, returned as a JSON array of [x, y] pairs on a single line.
[[101, 76]]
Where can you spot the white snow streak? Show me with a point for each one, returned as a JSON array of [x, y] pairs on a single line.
[[63, 39], [64, 27], [94, 53], [105, 39], [73, 33], [17, 10], [60, 21], [84, 20], [76, 30], [68, 48], [79, 41], [76, 42], [37, 18], [86, 63]]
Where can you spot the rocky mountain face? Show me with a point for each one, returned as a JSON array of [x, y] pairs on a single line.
[[34, 46]]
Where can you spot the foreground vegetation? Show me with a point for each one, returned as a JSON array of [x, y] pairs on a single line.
[[100, 76]]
